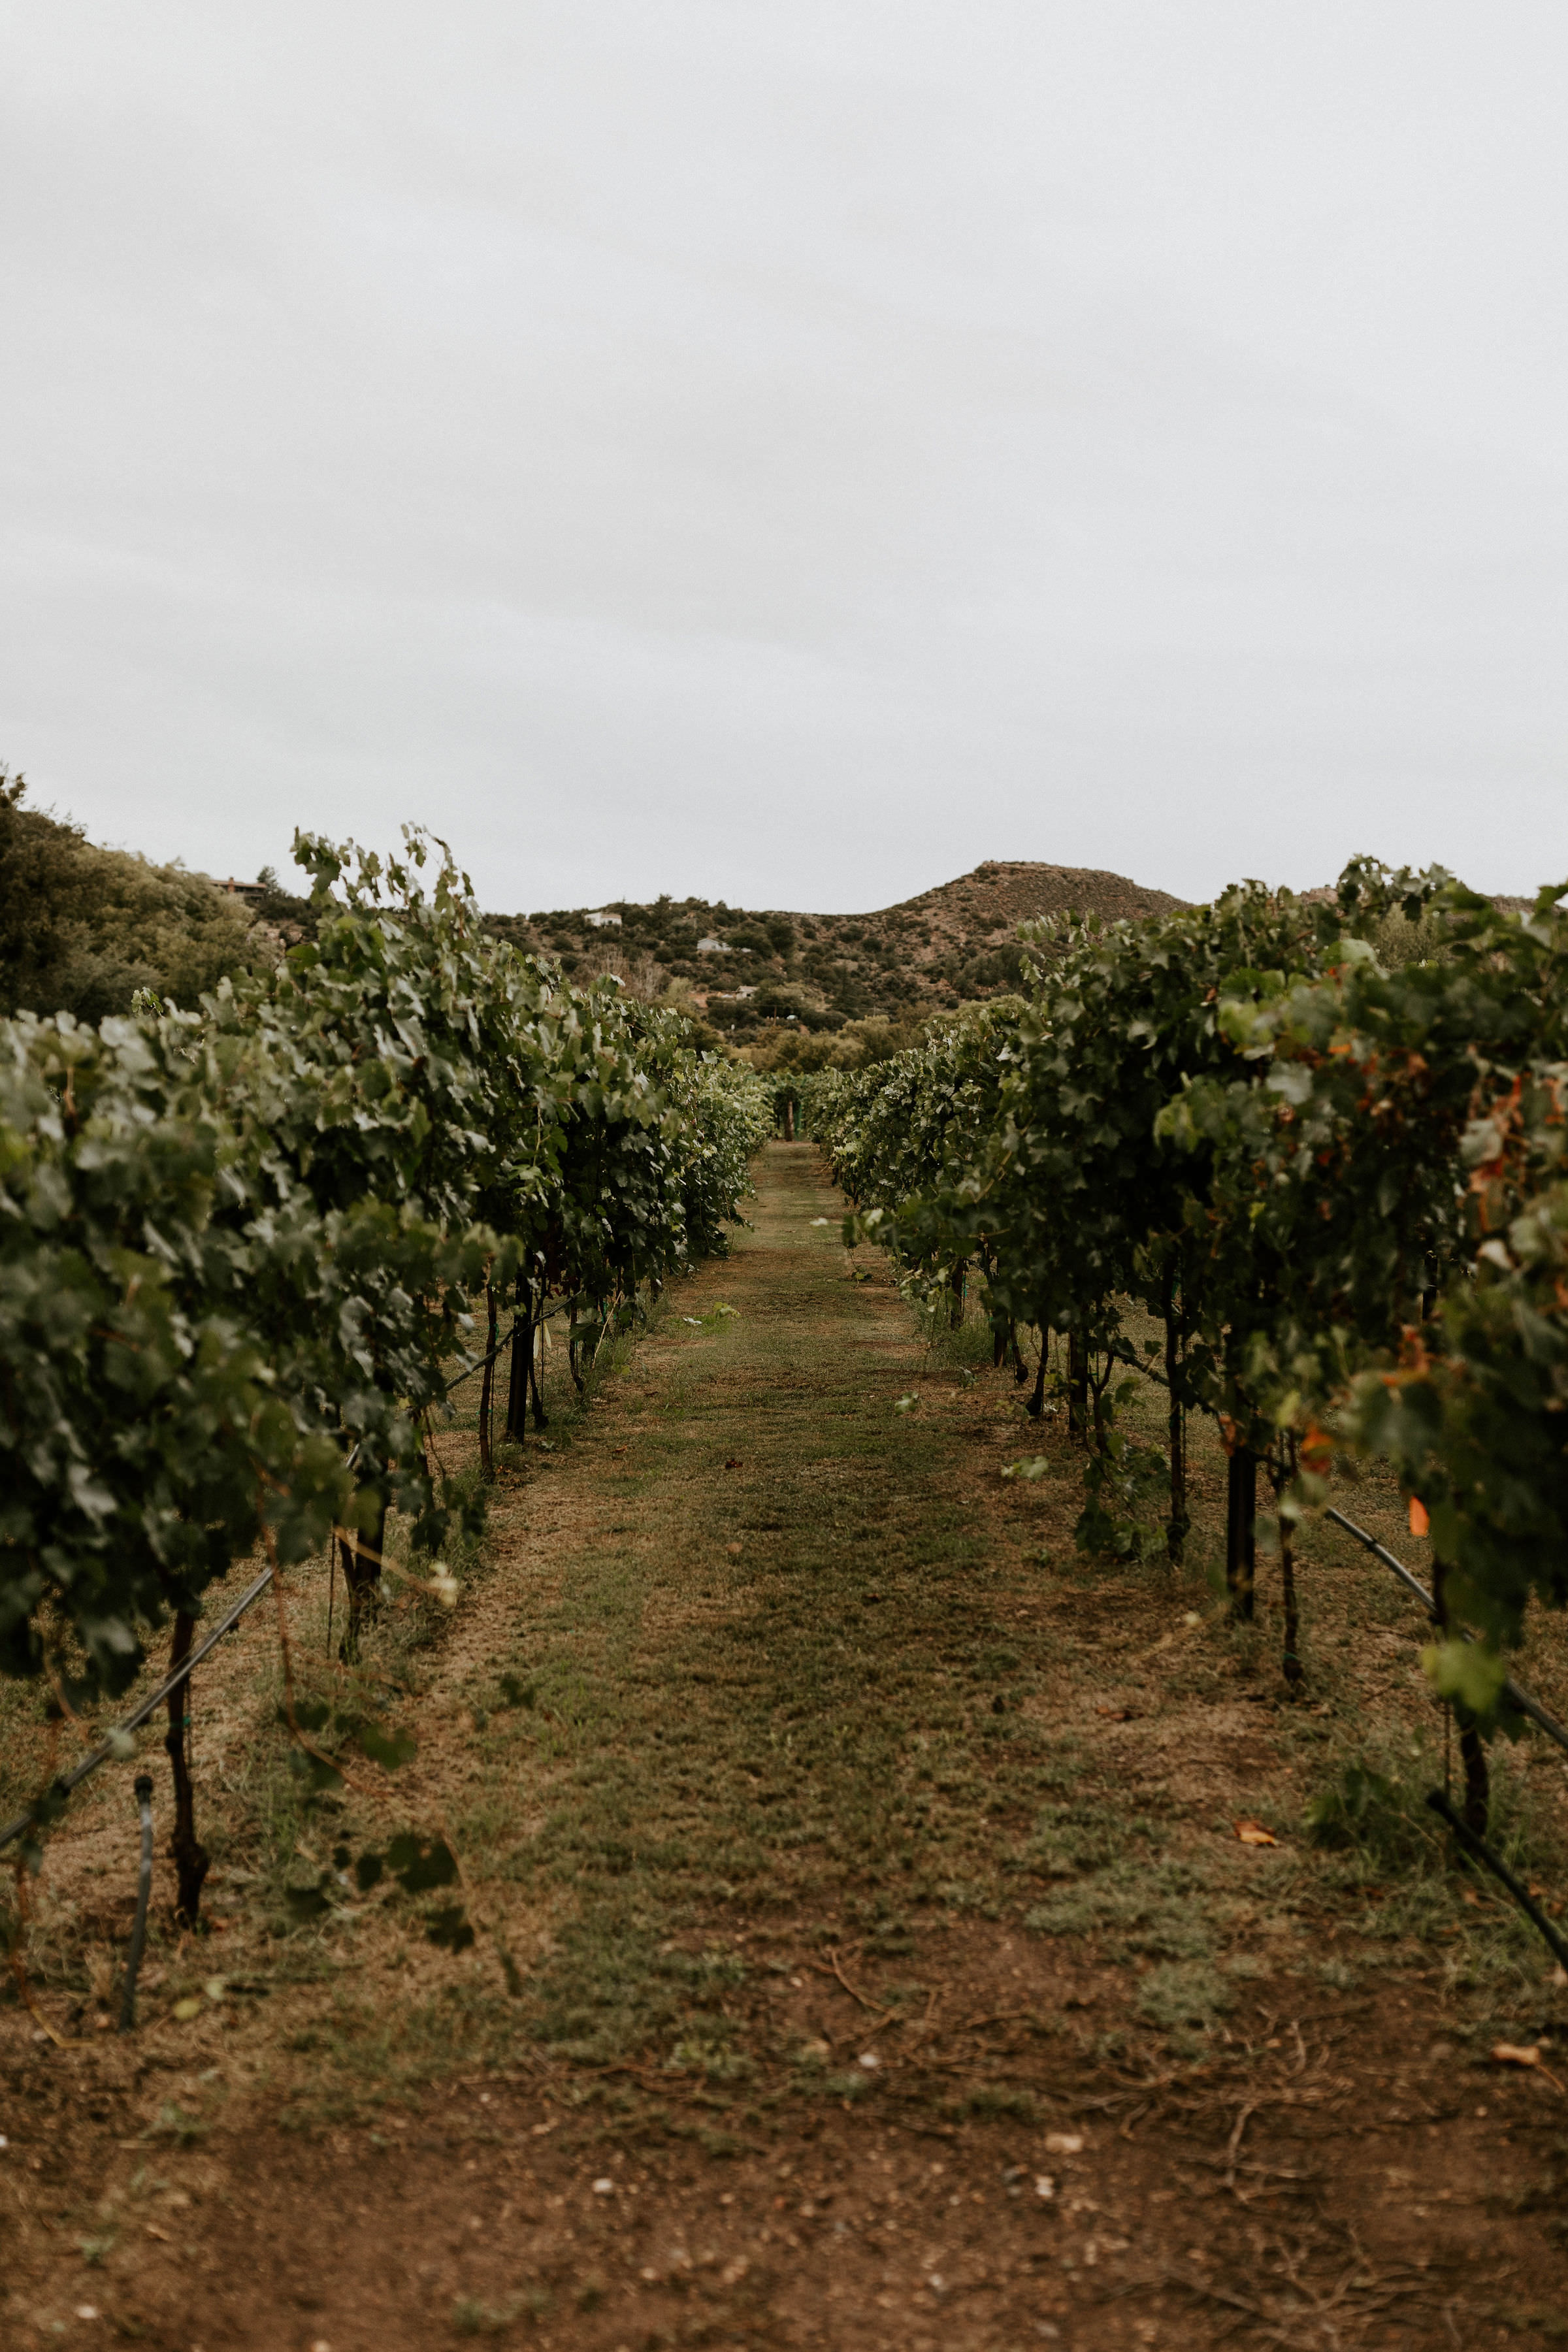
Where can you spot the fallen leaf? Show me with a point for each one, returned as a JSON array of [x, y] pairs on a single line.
[[185, 2009], [605, 2188], [1420, 1524], [1065, 2143], [1513, 2054], [1116, 1714], [161, 2235], [1254, 1833], [1045, 2187], [733, 1550]]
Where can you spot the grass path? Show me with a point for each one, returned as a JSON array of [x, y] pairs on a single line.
[[866, 1955]]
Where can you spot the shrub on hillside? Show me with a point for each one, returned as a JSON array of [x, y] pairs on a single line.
[[83, 929]]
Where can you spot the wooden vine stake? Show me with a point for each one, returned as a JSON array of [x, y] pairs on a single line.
[[1078, 1383], [1240, 1531], [1472, 1747], [535, 1364], [522, 1350], [1176, 1424], [360, 1558], [1281, 1472], [189, 1857], [1037, 1404], [488, 1385]]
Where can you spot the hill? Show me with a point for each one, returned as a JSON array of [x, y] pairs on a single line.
[[748, 967], [82, 927]]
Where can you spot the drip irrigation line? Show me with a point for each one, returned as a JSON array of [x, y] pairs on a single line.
[[1482, 1852], [501, 1347], [64, 1782], [1520, 1700], [499, 1350]]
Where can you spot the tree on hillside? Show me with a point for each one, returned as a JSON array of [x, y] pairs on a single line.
[[81, 929]]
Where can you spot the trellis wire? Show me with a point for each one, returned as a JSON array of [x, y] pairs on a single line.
[[64, 1782], [1482, 1852], [1513, 1697]]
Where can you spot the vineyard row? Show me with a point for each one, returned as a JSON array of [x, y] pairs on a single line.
[[246, 1250], [1322, 1142]]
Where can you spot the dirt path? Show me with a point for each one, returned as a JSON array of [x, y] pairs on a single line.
[[865, 1952]]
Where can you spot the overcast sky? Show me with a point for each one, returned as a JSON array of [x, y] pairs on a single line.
[[790, 453]]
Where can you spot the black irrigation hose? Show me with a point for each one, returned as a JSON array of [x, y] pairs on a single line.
[[499, 1350], [1513, 1697], [1482, 1852], [66, 1781]]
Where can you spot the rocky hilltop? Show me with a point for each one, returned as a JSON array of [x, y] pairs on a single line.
[[751, 966]]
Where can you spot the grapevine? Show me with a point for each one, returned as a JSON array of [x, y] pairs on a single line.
[[1338, 1182], [240, 1248]]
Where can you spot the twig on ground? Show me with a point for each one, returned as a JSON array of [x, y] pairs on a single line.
[[1232, 2146], [878, 2009]]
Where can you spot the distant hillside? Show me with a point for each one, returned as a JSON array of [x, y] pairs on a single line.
[[83, 929], [943, 948]]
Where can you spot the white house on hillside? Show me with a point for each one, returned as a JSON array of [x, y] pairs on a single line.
[[602, 918]]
